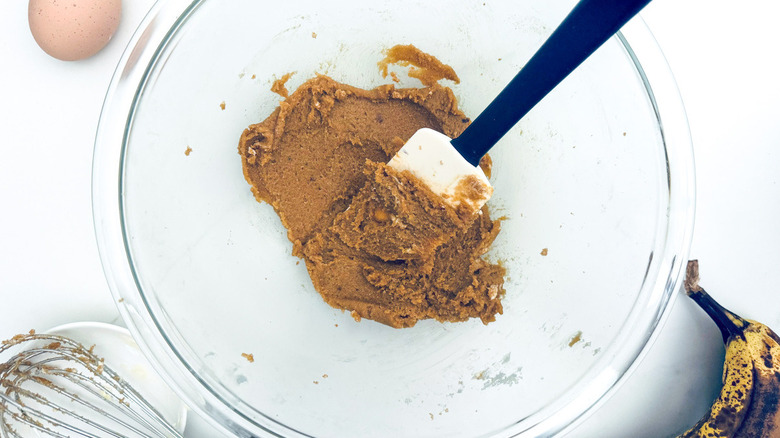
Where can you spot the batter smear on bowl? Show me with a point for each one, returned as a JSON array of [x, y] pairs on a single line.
[[376, 242]]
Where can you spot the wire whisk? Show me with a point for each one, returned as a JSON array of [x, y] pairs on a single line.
[[52, 386]]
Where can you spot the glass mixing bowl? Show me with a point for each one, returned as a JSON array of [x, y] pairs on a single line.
[[595, 184]]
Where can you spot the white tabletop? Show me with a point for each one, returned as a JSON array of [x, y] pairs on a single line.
[[724, 56]]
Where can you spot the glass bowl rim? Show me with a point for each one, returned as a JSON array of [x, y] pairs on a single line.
[[156, 30]]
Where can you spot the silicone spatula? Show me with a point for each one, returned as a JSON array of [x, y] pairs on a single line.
[[450, 167]]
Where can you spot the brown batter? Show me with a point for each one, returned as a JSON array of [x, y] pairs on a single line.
[[376, 242], [424, 67]]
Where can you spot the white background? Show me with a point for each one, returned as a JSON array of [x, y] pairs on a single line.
[[725, 56]]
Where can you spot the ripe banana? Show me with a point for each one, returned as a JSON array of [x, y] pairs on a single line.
[[749, 402]]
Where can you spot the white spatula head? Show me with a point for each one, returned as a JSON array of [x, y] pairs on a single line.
[[430, 157]]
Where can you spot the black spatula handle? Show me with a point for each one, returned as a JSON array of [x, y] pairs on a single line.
[[585, 29]]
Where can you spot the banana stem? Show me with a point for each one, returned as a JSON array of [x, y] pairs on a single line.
[[729, 323]]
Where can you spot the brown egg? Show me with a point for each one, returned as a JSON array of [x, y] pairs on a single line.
[[73, 29]]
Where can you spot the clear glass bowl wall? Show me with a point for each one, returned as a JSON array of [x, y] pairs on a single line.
[[600, 174]]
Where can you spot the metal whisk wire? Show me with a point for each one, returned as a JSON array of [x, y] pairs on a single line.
[[58, 388]]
